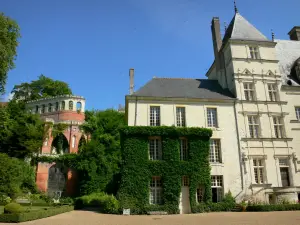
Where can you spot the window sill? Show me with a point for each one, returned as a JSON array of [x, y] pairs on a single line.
[[215, 128], [295, 121], [216, 164], [263, 102], [266, 139], [261, 185]]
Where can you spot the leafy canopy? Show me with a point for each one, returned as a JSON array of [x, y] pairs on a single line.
[[9, 35], [41, 88]]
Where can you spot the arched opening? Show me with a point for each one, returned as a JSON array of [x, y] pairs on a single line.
[[60, 145], [70, 105], [56, 106], [36, 109], [78, 106], [43, 108], [73, 141], [63, 105], [57, 177], [82, 143], [49, 107]]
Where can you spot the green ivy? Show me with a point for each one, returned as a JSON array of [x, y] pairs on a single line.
[[137, 170]]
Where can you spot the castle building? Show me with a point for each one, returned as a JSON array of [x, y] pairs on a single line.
[[250, 100], [53, 178]]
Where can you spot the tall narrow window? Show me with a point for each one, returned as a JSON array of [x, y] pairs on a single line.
[[156, 191], [253, 126], [278, 126], [70, 105], [154, 116], [49, 107], [73, 141], [56, 106], [155, 151], [284, 172], [249, 91], [43, 108], [185, 181], [254, 52], [297, 110], [200, 193], [36, 109], [258, 166], [212, 117], [183, 149], [215, 151], [78, 106], [63, 105], [180, 116], [272, 92], [217, 188]]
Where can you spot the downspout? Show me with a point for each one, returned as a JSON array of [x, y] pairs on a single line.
[[239, 145]]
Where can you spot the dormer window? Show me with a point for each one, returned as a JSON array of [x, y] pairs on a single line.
[[254, 53]]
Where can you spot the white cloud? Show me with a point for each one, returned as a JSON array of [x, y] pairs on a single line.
[[7, 97]]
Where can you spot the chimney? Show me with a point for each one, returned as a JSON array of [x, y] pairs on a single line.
[[216, 37], [295, 33], [131, 78]]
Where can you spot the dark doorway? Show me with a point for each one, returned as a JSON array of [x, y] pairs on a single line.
[[214, 194]]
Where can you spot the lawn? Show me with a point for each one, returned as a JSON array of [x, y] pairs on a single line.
[[32, 208]]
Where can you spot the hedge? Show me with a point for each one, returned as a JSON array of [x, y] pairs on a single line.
[[279, 207], [137, 170], [34, 215]]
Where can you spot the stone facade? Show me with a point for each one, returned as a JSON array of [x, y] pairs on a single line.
[[52, 178]]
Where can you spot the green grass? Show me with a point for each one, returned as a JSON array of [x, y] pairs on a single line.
[[32, 208]]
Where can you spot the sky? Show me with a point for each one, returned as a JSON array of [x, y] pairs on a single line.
[[91, 44]]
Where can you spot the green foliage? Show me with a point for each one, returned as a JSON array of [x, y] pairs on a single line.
[[66, 201], [279, 207], [137, 169], [214, 207], [16, 176], [9, 35], [21, 133], [4, 199], [41, 88], [11, 208], [105, 203], [35, 214], [228, 198]]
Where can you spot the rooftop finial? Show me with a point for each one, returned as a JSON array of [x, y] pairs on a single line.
[[235, 7], [273, 35]]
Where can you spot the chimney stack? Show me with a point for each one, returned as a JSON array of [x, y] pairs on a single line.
[[295, 33], [216, 37], [131, 78]]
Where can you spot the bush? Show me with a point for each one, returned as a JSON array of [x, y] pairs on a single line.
[[279, 207], [105, 203], [214, 207], [34, 215], [66, 201], [4, 199], [13, 208]]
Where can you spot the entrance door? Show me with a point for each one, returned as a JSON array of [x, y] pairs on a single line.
[[184, 205], [285, 179]]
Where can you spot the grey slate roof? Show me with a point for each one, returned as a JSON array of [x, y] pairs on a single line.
[[287, 53], [183, 88], [239, 28]]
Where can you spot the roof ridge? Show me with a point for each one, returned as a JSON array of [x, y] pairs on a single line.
[[175, 78]]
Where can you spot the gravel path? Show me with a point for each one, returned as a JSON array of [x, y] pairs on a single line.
[[248, 218]]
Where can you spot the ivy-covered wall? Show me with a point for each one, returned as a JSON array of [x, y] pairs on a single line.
[[137, 169]]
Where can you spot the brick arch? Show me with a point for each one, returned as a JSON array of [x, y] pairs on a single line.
[[65, 144]]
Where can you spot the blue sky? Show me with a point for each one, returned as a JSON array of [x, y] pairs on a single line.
[[91, 44]]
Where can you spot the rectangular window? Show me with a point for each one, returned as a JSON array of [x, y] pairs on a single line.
[[278, 126], [297, 110], [155, 152], [212, 117], [185, 181], [214, 151], [200, 193], [154, 115], [258, 166], [156, 191], [284, 172], [253, 126], [217, 188], [183, 149], [254, 52], [180, 116], [272, 89], [249, 91]]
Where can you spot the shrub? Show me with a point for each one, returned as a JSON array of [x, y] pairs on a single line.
[[66, 201], [4, 199], [13, 208], [279, 207], [214, 207], [105, 203]]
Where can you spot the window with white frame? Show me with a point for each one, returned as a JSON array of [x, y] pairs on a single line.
[[154, 115], [156, 191], [272, 89], [49, 107], [284, 171], [180, 116], [259, 169], [184, 149], [297, 110], [253, 126], [278, 126], [254, 53], [217, 188], [249, 91], [155, 152], [200, 193], [212, 117], [215, 151]]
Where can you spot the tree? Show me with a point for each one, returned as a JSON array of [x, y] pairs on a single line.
[[41, 88], [21, 133], [9, 35]]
